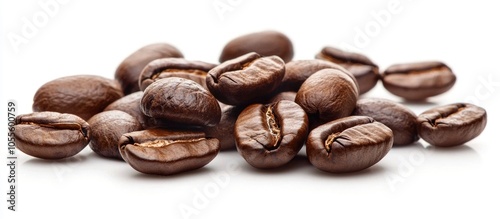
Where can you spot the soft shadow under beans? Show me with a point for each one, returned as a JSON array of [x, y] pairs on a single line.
[[299, 161], [201, 172], [461, 149], [373, 171], [32, 162]]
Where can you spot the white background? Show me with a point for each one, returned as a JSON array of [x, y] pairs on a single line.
[[93, 37]]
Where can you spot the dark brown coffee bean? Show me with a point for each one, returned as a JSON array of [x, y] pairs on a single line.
[[451, 125], [81, 95], [107, 128], [131, 104], [175, 67], [418, 81], [166, 152], [224, 131], [269, 136], [328, 94], [130, 69], [182, 101], [365, 71], [349, 144], [244, 79], [51, 135], [266, 43], [296, 72], [401, 120]]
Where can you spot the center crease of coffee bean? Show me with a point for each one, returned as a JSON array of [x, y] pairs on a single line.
[[329, 141], [426, 71], [273, 126], [436, 122], [62, 126], [165, 143]]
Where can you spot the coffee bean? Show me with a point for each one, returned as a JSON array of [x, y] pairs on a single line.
[[451, 125], [51, 135], [401, 120], [418, 81], [81, 95], [296, 72], [131, 104], [130, 69], [327, 95], [365, 71], [244, 79], [349, 144], [107, 128], [175, 67], [166, 152], [182, 101], [224, 131], [266, 43], [269, 136]]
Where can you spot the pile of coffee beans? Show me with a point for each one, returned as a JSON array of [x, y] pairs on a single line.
[[163, 114]]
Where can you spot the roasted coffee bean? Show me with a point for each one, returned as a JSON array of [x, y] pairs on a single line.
[[451, 125], [296, 72], [131, 104], [401, 120], [51, 135], [349, 144], [224, 131], [242, 80], [166, 152], [182, 101], [269, 136], [418, 81], [365, 71], [328, 94], [175, 67], [107, 128], [266, 43], [81, 95], [130, 69]]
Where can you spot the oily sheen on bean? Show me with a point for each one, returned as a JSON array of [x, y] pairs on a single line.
[[182, 101], [107, 128], [246, 78], [166, 152], [129, 70], [51, 135], [349, 144], [401, 120], [174, 67], [365, 71], [297, 71], [418, 81], [266, 43], [269, 136], [81, 95], [451, 125], [327, 95]]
